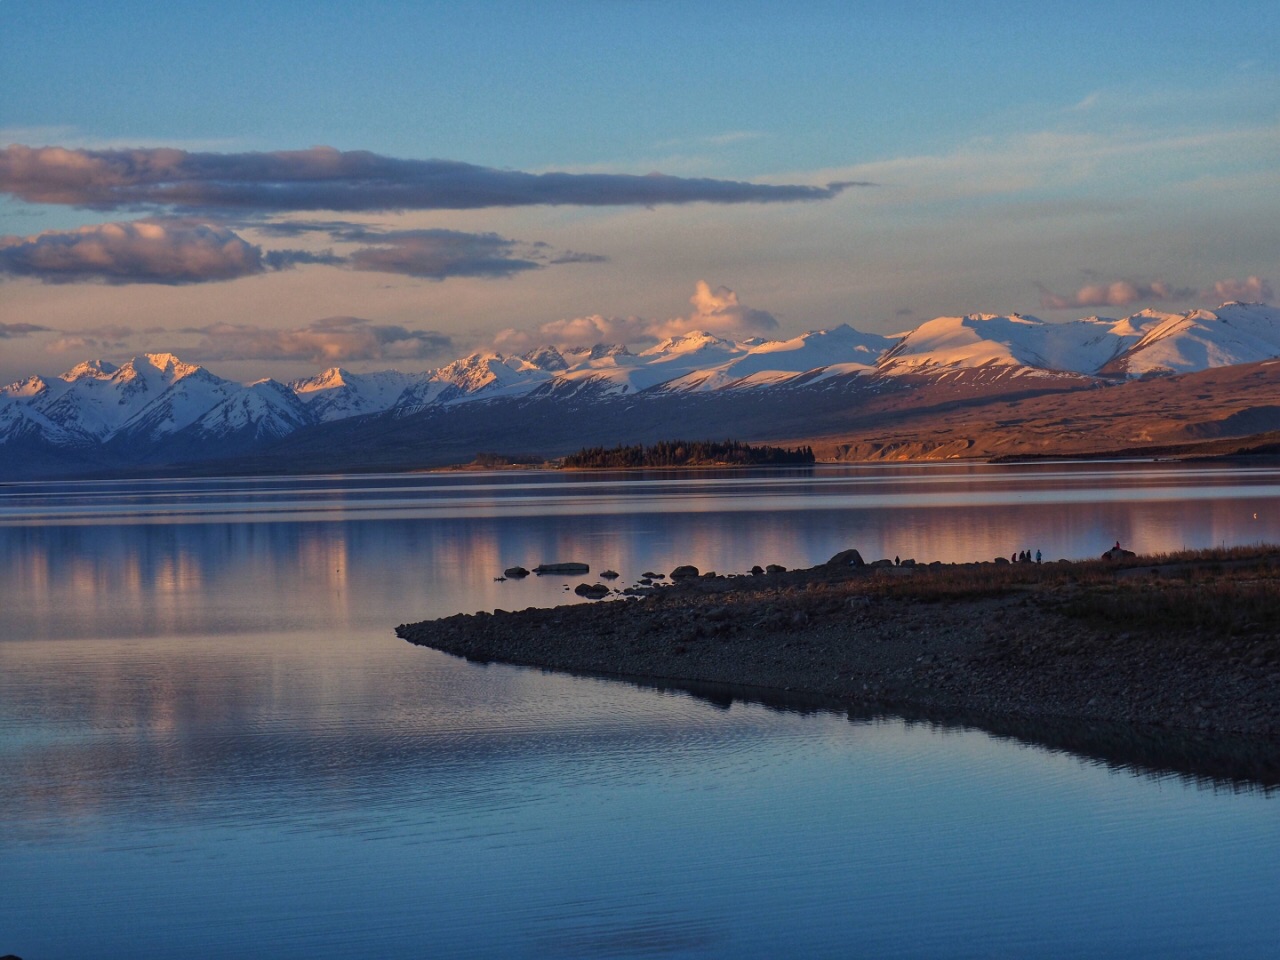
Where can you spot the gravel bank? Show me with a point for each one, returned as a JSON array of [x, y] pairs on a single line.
[[1027, 641]]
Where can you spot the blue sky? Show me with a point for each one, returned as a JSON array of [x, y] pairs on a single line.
[[1053, 159]]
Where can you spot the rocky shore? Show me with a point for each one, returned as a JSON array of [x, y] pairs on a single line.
[[1188, 642]]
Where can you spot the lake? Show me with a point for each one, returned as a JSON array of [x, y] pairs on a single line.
[[212, 744]]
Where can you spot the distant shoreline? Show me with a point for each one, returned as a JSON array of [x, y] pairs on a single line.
[[1180, 642]]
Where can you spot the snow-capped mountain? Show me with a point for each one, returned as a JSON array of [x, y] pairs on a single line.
[[1016, 342], [266, 410], [338, 393], [1141, 344], [1203, 339], [157, 408], [96, 399]]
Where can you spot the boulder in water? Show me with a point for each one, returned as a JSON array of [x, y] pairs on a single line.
[[561, 568]]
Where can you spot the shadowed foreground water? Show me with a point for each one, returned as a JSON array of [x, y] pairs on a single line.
[[213, 746]]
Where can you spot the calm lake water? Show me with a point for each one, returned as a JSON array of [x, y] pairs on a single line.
[[212, 744]]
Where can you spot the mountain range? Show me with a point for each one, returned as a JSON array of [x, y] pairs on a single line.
[[840, 386]]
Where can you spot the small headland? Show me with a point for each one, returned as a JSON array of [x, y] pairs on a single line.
[[1187, 641]]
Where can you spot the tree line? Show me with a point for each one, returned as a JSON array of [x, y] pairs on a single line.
[[685, 453]]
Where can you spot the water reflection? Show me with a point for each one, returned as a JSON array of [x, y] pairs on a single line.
[[213, 744], [191, 557], [1202, 758]]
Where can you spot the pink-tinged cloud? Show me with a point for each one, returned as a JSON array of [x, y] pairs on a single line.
[[327, 341], [1118, 293], [715, 311], [183, 251], [718, 311], [108, 336], [143, 251], [1248, 290], [323, 178]]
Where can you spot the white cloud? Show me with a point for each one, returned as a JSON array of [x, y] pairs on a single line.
[[715, 311], [1250, 290]]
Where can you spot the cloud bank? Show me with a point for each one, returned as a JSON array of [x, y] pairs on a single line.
[[1118, 293], [437, 254], [328, 341], [1125, 293], [323, 178], [1249, 290], [108, 336], [185, 251], [715, 311]]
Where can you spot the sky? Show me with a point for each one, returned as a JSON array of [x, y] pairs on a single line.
[[273, 189]]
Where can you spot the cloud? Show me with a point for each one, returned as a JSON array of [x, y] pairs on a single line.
[[576, 332], [323, 178], [141, 251], [184, 251], [437, 254], [9, 331], [718, 311], [108, 336], [1249, 290], [715, 311], [1118, 293], [327, 341]]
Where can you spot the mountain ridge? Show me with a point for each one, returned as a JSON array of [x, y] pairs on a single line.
[[155, 408]]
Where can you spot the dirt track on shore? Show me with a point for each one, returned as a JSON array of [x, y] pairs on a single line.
[[1011, 641]]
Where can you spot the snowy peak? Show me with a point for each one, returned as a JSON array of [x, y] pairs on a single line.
[[337, 393], [170, 366], [1182, 343], [331, 379], [485, 372], [693, 342], [601, 351], [25, 389], [262, 411], [546, 358], [90, 369], [974, 340]]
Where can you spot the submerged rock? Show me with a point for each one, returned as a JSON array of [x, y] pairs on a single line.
[[610, 575], [515, 572], [561, 568]]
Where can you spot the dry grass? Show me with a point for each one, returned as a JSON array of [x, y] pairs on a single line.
[[1231, 592], [1229, 603]]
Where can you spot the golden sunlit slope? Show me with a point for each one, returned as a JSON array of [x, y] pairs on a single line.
[[1160, 415]]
